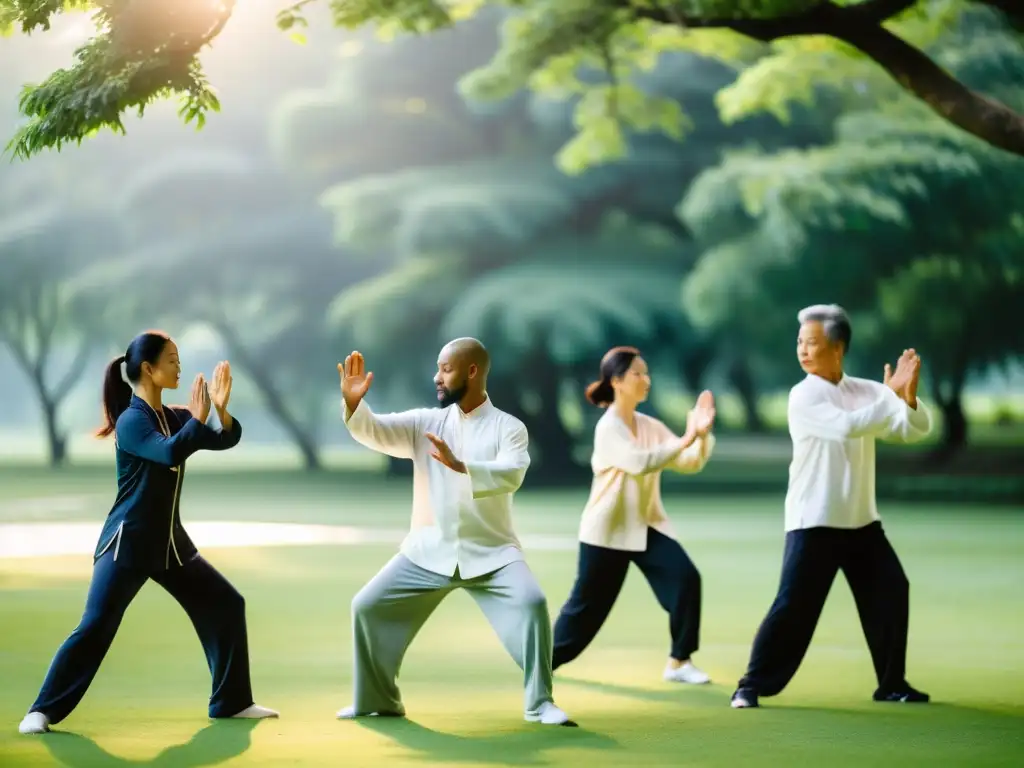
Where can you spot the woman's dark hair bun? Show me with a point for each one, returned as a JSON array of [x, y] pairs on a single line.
[[600, 393], [615, 363]]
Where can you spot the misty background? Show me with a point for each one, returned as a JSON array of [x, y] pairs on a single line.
[[349, 197]]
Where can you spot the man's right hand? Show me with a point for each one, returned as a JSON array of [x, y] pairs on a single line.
[[355, 381], [908, 368]]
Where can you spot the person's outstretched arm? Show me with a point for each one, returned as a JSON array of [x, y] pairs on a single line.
[[694, 458], [393, 434], [228, 436], [812, 414], [614, 448], [136, 434], [909, 424]]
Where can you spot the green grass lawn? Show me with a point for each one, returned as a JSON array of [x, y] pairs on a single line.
[[147, 706]]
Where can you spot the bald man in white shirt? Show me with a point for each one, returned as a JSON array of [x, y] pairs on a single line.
[[832, 521], [469, 458]]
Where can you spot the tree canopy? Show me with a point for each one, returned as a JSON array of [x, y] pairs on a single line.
[[910, 224], [149, 49]]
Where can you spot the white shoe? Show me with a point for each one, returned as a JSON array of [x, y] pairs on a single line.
[[686, 674], [34, 722], [349, 713], [548, 714], [255, 712]]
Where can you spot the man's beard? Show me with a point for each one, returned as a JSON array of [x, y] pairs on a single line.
[[446, 397]]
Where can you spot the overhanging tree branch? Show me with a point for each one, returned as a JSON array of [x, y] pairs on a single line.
[[876, 11], [818, 20], [1013, 10], [861, 27], [147, 49], [973, 112]]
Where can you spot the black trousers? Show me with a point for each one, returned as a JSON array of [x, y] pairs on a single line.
[[809, 565], [601, 572], [217, 612]]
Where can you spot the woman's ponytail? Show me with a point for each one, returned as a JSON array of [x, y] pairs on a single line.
[[117, 395]]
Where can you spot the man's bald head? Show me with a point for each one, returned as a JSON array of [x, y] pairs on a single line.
[[462, 370], [471, 351]]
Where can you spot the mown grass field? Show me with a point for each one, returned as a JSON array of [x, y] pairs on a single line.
[[147, 706]]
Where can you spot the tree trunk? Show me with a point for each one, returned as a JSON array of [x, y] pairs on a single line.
[[398, 467], [954, 421], [49, 402], [276, 406], [579, 378], [954, 431], [56, 440], [553, 440], [693, 366], [309, 452], [742, 381], [550, 441]]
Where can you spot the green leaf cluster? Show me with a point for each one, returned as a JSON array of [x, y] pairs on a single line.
[[905, 220], [143, 50]]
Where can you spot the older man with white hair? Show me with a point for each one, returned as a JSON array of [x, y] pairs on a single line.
[[831, 518]]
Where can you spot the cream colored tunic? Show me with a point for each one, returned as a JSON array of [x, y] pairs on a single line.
[[625, 497]]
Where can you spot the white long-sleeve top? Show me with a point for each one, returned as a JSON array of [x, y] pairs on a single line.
[[625, 496], [834, 428], [461, 521]]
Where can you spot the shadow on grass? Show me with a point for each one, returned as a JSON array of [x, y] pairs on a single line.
[[694, 695], [217, 743], [524, 745], [839, 733], [719, 695], [1001, 726]]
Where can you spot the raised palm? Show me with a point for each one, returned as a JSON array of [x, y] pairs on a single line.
[[199, 402], [355, 380], [220, 386], [905, 378], [702, 417]]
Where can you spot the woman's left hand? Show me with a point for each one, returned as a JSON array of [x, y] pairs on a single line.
[[220, 386]]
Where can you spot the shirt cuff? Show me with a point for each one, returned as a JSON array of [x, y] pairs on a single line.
[[895, 404], [346, 414], [920, 417], [479, 477]]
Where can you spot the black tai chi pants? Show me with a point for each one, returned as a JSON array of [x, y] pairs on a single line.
[[810, 562], [217, 612], [601, 572]]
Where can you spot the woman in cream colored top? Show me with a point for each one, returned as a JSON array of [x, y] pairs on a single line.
[[624, 520]]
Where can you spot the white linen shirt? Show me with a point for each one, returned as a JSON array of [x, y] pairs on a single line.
[[834, 428], [459, 521]]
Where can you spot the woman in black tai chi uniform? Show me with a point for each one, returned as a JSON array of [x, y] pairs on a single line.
[[143, 537]]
